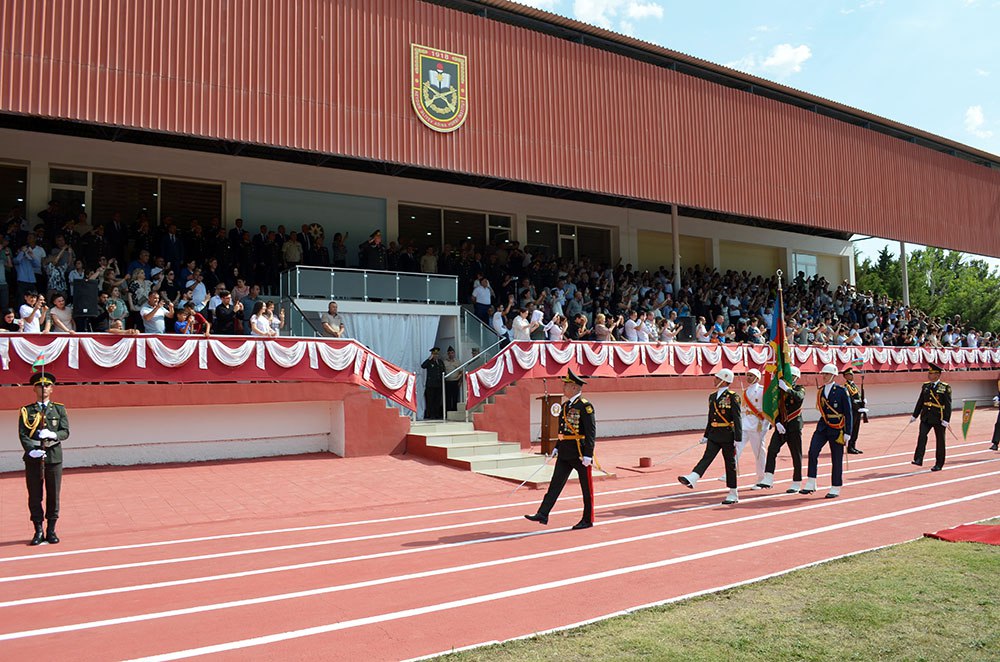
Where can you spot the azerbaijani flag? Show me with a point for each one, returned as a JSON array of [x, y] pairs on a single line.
[[967, 410], [858, 364], [38, 363], [781, 365]]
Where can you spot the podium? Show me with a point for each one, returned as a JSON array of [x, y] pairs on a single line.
[[550, 422]]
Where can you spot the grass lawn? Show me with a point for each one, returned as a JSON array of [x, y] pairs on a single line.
[[924, 600]]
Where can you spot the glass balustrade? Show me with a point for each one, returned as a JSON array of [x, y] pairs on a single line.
[[364, 285]]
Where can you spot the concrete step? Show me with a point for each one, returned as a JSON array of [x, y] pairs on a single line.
[[433, 427], [461, 451], [460, 437], [479, 463]]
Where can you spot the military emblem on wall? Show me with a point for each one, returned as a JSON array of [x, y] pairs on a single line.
[[439, 87]]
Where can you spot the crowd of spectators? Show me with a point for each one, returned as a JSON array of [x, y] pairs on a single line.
[[207, 279]]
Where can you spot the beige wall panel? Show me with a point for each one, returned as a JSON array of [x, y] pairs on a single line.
[[656, 249], [830, 266], [757, 259]]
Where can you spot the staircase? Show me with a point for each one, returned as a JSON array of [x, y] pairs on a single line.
[[459, 444]]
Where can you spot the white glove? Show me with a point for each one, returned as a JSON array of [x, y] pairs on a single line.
[[944, 424], [703, 441], [555, 451], [847, 438], [912, 419], [865, 401], [47, 434], [996, 398], [587, 461], [783, 386], [780, 428], [36, 453], [863, 411]]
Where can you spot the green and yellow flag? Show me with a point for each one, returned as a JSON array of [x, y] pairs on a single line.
[[781, 363], [967, 409]]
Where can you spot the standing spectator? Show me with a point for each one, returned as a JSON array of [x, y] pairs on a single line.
[[172, 248], [277, 320], [227, 314], [556, 328], [482, 297], [520, 327], [249, 303], [260, 326], [155, 312], [291, 251], [333, 323], [453, 380], [60, 316], [6, 264], [28, 265], [197, 324], [373, 255], [33, 312], [429, 261], [432, 384], [338, 254]]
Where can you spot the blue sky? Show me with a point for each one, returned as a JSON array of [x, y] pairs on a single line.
[[931, 64]]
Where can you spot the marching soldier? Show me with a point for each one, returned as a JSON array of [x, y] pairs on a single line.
[[723, 432], [996, 426], [934, 411], [787, 430], [755, 424], [835, 423], [574, 452], [859, 407], [42, 426]]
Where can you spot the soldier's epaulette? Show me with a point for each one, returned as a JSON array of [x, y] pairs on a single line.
[[582, 401], [58, 404]]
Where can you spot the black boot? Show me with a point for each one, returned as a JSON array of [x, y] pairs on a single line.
[[50, 535], [39, 536]]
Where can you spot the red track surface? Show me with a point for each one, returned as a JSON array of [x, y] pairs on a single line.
[[389, 558]]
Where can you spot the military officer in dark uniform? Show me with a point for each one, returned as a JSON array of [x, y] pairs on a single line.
[[835, 424], [574, 452], [934, 411], [859, 409], [787, 430], [433, 388], [42, 426], [723, 432], [995, 444]]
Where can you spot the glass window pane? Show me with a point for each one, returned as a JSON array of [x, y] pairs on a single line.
[[497, 221], [594, 243], [184, 201], [567, 230], [68, 177], [542, 239], [567, 248], [125, 194], [71, 202], [419, 225], [499, 234], [413, 288], [461, 226], [13, 188]]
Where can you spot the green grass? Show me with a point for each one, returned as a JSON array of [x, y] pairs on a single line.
[[924, 600]]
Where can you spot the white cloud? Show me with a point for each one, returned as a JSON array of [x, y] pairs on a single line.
[[982, 72], [975, 121], [604, 13], [627, 28], [547, 5], [763, 28], [783, 60]]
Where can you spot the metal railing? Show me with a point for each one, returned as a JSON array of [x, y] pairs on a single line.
[[299, 324], [365, 285], [477, 332]]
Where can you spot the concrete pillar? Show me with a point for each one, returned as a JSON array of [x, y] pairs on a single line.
[[233, 204], [38, 191], [520, 228], [906, 278], [716, 254], [391, 220], [676, 236]]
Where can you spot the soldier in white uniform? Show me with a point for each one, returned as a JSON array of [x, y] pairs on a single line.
[[755, 425]]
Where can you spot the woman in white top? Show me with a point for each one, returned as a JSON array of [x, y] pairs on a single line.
[[277, 321], [60, 316], [556, 328], [259, 324], [669, 329]]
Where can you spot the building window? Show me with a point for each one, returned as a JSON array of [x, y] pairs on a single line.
[[127, 195], [13, 188], [805, 263], [499, 229], [184, 201], [462, 226], [570, 242], [430, 226]]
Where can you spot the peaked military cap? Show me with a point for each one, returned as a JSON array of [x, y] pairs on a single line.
[[933, 367], [43, 378], [573, 378]]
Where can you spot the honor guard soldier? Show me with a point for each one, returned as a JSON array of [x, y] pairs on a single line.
[[755, 424], [859, 408], [934, 411], [787, 430], [42, 426], [433, 388], [575, 451], [995, 444], [835, 421], [723, 432]]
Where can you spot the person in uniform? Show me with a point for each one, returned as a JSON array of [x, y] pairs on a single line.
[[433, 389], [787, 430], [723, 432], [573, 452], [859, 410], [934, 411], [755, 424], [995, 445], [42, 427], [834, 426], [452, 384]]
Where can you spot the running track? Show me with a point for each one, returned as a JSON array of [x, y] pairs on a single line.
[[417, 577]]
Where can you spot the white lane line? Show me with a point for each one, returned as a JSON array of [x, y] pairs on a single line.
[[434, 529], [398, 518], [325, 590], [537, 588]]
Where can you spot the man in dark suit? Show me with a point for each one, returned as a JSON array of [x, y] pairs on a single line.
[[723, 432], [834, 427], [42, 427], [236, 233], [172, 247], [787, 430], [573, 452], [934, 410]]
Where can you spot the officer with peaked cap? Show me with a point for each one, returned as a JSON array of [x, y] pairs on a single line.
[[433, 388], [723, 432], [574, 452], [42, 427], [834, 427], [787, 430], [934, 411]]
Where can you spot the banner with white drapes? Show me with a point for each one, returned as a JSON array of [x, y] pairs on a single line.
[[103, 358], [525, 360]]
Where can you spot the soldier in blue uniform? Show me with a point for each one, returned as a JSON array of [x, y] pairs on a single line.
[[934, 411], [42, 426], [834, 427], [574, 452], [723, 432]]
